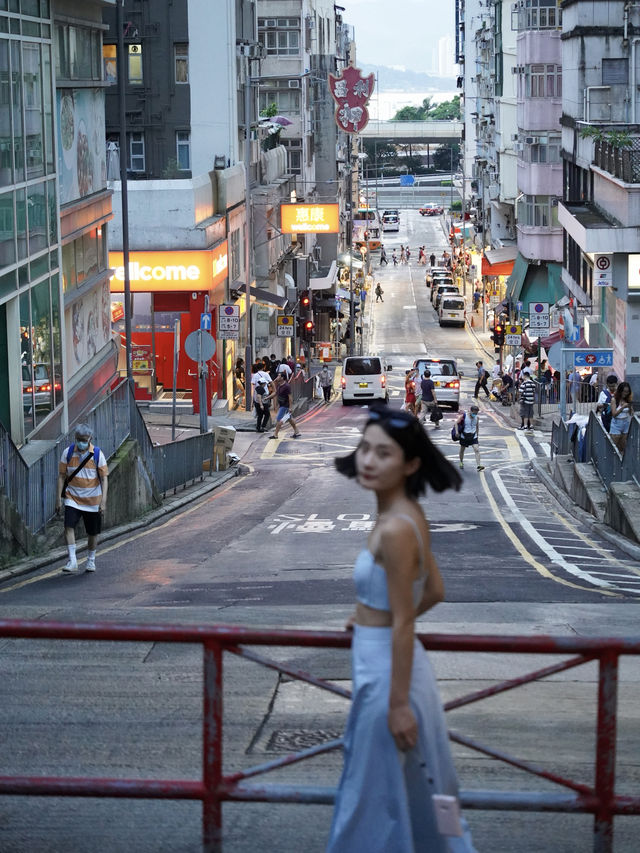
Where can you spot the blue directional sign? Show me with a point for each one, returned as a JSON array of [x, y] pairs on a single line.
[[593, 358], [205, 322]]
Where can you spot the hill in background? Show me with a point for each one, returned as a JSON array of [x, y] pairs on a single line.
[[394, 79]]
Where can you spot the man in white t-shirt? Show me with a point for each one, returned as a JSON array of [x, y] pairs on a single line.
[[603, 407], [284, 370]]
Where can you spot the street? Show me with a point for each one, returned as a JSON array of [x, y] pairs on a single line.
[[276, 548]]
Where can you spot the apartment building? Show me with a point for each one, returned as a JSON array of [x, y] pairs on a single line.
[[189, 103], [537, 271], [56, 351], [600, 208]]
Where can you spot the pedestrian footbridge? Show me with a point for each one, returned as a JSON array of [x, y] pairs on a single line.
[[414, 131]]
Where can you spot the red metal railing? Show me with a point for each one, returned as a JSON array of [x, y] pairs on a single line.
[[214, 788]]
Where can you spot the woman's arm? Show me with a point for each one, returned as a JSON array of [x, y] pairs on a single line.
[[433, 591], [398, 553]]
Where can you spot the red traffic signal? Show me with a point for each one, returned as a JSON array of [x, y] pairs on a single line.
[[305, 299], [308, 325]]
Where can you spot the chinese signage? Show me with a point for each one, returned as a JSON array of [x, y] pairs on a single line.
[[602, 273], [310, 218], [351, 92], [285, 326], [228, 322], [170, 271]]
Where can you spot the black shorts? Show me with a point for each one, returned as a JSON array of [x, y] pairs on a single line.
[[92, 520]]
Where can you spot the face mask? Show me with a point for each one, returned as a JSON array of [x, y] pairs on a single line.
[[82, 445]]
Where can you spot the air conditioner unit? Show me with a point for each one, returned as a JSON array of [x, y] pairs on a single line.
[[531, 140], [514, 137], [271, 22], [317, 253], [294, 84]]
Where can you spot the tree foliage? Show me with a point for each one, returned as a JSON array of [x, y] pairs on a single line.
[[428, 111]]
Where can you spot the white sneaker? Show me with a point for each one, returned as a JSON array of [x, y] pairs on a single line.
[[71, 567], [91, 564]]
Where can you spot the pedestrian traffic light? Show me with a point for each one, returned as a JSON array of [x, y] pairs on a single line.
[[498, 335]]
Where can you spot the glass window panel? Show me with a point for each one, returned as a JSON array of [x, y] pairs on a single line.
[[21, 223], [7, 231], [31, 7], [96, 55], [183, 149], [182, 63], [102, 261], [16, 101], [31, 28], [41, 349], [39, 267], [68, 267], [47, 113], [61, 55], [73, 53], [84, 46], [33, 109], [37, 218], [23, 275], [57, 342], [4, 25], [8, 283], [14, 25], [53, 212], [26, 359], [44, 8], [135, 64], [90, 251], [110, 62], [79, 250]]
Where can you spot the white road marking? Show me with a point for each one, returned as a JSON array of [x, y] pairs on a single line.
[[524, 444], [548, 549]]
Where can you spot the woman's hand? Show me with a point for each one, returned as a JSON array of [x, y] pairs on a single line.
[[351, 621], [403, 727]]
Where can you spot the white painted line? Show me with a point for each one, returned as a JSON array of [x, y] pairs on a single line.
[[524, 444], [548, 549], [546, 447]]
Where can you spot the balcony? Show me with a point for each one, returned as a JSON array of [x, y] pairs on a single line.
[[622, 162]]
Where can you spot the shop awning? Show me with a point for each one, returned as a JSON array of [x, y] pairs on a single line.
[[534, 283], [327, 281], [499, 261]]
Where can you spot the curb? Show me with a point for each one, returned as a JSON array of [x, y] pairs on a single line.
[[615, 538], [172, 505]]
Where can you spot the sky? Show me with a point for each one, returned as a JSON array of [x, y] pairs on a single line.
[[398, 32]]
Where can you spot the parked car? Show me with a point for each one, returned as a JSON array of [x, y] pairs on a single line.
[[431, 209], [364, 379], [446, 378], [39, 391], [391, 212], [440, 287], [452, 311]]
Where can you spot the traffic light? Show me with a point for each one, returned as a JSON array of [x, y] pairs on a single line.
[[498, 335], [307, 329], [304, 302]]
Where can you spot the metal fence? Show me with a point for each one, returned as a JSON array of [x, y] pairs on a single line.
[[596, 447], [598, 798], [32, 488], [181, 462]]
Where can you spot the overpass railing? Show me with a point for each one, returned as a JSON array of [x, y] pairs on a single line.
[[215, 787]]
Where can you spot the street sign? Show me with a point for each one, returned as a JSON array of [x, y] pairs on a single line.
[[200, 345], [205, 322], [284, 326], [228, 322], [593, 358], [515, 329], [539, 323], [603, 272], [518, 306], [538, 307], [513, 340]]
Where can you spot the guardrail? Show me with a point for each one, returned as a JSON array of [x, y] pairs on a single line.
[[180, 462], [214, 788]]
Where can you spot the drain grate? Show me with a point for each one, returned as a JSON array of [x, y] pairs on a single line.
[[292, 740]]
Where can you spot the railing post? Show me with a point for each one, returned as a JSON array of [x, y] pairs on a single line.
[[605, 775], [212, 748]]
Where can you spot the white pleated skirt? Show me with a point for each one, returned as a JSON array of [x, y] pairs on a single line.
[[384, 804]]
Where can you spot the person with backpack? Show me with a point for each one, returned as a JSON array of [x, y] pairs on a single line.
[[379, 291], [82, 486], [481, 382], [467, 433], [428, 400], [603, 407]]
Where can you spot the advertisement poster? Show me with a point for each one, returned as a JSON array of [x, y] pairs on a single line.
[[82, 164], [88, 326]]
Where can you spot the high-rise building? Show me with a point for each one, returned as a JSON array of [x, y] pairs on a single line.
[[446, 57]]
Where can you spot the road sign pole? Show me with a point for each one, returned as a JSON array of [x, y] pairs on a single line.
[[539, 378], [176, 355], [204, 408], [563, 383]]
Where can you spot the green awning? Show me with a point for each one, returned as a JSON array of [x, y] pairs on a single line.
[[534, 283]]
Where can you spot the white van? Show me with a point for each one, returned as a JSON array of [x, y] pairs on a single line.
[[452, 310], [364, 379]]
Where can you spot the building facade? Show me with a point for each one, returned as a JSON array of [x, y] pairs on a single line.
[[600, 207], [56, 351]]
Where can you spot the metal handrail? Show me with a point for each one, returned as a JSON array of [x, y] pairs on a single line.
[[214, 788]]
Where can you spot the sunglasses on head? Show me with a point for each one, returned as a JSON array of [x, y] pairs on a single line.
[[398, 420]]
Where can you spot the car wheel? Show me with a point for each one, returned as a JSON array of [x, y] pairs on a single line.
[[346, 402], [455, 407]]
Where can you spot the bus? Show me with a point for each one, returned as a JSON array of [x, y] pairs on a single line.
[[367, 228]]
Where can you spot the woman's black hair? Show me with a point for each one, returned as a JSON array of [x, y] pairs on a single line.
[[405, 430], [622, 387]]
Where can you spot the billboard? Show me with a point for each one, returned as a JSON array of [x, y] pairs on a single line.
[[154, 272], [310, 219]]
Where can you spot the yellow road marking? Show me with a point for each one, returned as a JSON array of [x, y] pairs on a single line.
[[609, 557], [526, 556]]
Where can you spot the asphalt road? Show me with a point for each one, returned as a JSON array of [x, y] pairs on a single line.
[[276, 548]]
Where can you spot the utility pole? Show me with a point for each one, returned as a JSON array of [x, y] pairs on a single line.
[[123, 186], [248, 351], [352, 322]]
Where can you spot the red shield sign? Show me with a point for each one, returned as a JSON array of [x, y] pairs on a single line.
[[351, 92]]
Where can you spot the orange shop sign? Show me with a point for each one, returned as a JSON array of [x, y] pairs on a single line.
[[310, 218], [169, 271]]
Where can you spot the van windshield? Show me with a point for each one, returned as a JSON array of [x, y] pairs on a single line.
[[443, 368], [453, 305], [362, 366]]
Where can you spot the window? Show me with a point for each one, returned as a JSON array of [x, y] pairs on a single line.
[[539, 15], [538, 210], [183, 149], [543, 81], [135, 64], [136, 152], [110, 63], [287, 101], [181, 60], [546, 149], [234, 255], [280, 36], [78, 53], [294, 155]]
